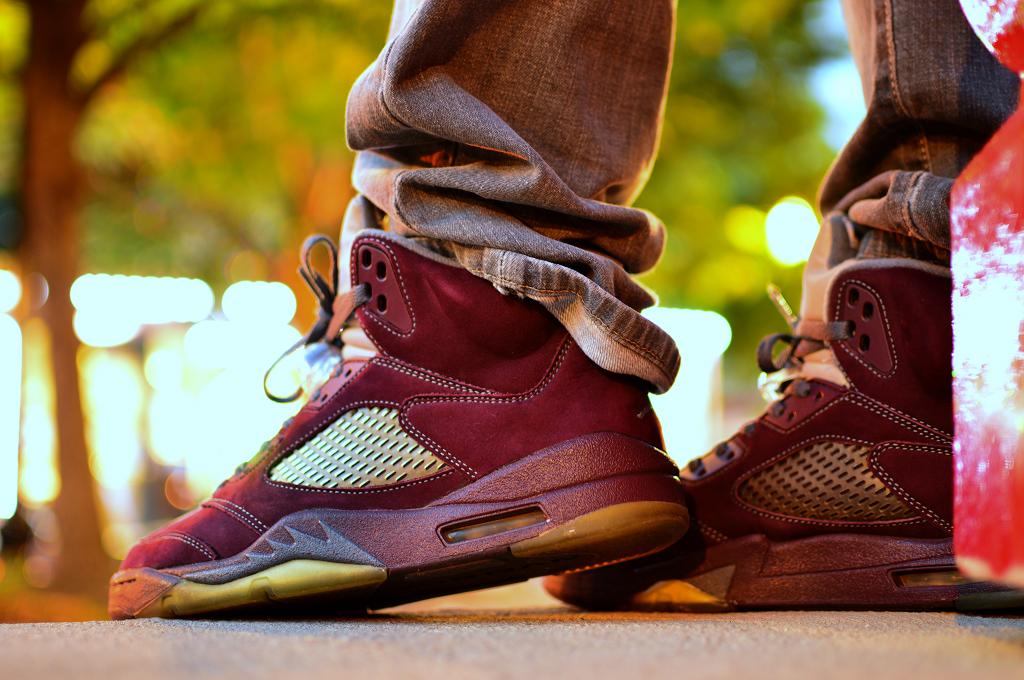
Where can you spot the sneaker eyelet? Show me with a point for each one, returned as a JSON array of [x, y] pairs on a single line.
[[382, 271], [367, 258], [382, 303]]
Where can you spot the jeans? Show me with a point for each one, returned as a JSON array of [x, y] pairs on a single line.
[[934, 96], [512, 136]]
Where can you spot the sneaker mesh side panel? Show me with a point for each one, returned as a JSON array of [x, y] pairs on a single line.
[[825, 481], [364, 447]]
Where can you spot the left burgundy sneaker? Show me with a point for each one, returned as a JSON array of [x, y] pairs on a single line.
[[839, 495], [475, 446]]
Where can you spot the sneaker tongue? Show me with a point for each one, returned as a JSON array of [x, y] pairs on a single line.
[[356, 345], [822, 365], [817, 362], [322, 359], [817, 365], [811, 361]]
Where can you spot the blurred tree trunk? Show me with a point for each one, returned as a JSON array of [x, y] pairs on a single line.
[[52, 190]]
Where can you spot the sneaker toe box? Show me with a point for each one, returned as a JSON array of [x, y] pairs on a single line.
[[203, 535]]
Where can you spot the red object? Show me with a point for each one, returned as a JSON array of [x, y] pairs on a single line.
[[491, 385], [987, 208]]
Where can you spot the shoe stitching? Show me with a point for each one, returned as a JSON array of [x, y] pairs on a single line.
[[711, 532], [525, 396], [321, 422], [626, 342], [230, 513], [888, 332], [325, 419], [357, 492], [835, 402], [386, 325], [319, 426], [827, 523], [259, 523], [189, 541], [877, 468], [442, 452], [233, 514], [858, 398], [391, 362], [899, 417], [720, 471], [734, 490]]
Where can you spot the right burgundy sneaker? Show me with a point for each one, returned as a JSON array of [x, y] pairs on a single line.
[[840, 494], [472, 444]]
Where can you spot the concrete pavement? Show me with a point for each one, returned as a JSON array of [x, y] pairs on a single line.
[[484, 636]]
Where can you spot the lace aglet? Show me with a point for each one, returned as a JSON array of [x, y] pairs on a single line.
[[779, 300]]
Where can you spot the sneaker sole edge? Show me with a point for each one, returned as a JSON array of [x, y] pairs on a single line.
[[753, 573], [605, 536]]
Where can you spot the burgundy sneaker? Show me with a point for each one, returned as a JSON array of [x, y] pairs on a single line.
[[476, 446], [840, 494]]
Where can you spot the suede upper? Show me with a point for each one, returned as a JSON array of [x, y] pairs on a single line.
[[479, 378], [898, 407]]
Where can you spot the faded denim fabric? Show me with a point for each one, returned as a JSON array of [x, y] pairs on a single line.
[[512, 136], [934, 97]]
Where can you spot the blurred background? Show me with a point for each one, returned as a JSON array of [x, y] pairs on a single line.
[[161, 161]]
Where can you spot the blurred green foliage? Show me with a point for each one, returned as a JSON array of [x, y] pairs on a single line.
[[230, 139], [741, 130]]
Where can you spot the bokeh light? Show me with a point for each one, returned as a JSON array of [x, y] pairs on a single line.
[[113, 397], [112, 308], [259, 302], [104, 327], [10, 413], [145, 299], [39, 479], [791, 227], [691, 412], [164, 369], [744, 227], [10, 291]]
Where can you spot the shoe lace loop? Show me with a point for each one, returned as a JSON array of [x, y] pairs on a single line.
[[782, 372], [335, 309], [770, 362]]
